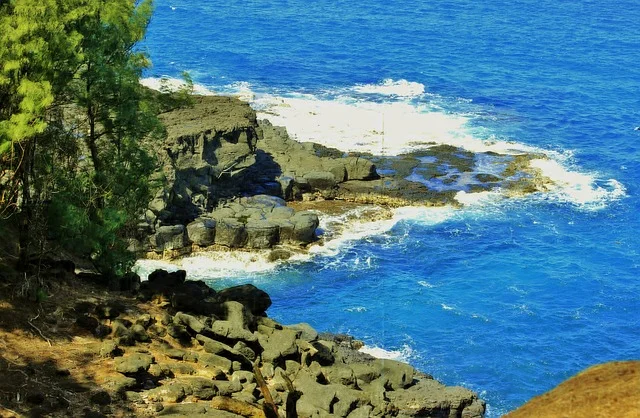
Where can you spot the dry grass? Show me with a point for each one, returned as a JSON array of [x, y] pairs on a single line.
[[610, 390]]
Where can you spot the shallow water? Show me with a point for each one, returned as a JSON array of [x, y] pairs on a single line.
[[506, 296]]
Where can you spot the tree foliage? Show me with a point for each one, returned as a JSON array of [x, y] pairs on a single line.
[[73, 123]]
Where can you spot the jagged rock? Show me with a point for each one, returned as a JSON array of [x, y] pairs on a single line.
[[200, 387], [216, 347], [245, 350], [361, 412], [258, 301], [157, 330], [430, 398], [228, 331], [179, 332], [160, 371], [237, 314], [360, 169], [226, 388], [280, 254], [323, 353], [145, 320], [162, 282], [172, 352], [207, 145], [181, 368], [316, 398], [202, 231], [134, 363], [243, 376], [366, 372], [263, 201], [121, 333], [169, 237], [237, 407]]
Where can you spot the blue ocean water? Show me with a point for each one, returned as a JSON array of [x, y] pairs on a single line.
[[508, 297]]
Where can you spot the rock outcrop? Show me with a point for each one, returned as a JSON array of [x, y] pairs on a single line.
[[217, 354], [206, 144], [228, 177]]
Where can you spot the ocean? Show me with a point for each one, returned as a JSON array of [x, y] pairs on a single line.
[[505, 296]]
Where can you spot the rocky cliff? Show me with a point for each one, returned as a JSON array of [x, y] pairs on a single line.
[[228, 178]]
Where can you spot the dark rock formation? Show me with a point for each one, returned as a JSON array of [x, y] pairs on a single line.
[[206, 364]]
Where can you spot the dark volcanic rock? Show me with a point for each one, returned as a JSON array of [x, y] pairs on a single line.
[[258, 301], [202, 231]]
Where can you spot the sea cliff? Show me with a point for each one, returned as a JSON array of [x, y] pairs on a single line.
[[228, 178]]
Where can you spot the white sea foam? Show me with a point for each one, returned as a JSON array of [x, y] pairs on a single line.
[[381, 128], [390, 87], [355, 225], [404, 354], [214, 264], [350, 120], [582, 189]]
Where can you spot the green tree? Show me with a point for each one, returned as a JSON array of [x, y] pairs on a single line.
[[73, 120]]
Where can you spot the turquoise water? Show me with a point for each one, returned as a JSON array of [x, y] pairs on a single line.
[[507, 296]]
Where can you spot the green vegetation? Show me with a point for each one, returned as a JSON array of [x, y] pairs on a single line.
[[76, 125]]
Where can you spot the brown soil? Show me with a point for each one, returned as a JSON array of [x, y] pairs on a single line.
[[48, 365], [606, 390]]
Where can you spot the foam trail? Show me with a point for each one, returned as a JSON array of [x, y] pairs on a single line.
[[389, 118], [214, 264], [390, 87], [356, 225], [581, 189], [400, 355]]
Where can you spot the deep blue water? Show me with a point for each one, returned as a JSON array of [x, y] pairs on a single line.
[[507, 298]]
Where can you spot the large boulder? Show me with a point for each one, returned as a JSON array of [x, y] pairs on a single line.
[[258, 301], [231, 233], [262, 234], [202, 231], [169, 237], [304, 227], [360, 169], [322, 181]]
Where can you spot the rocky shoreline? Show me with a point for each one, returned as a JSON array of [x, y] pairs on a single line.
[[236, 183], [199, 352], [228, 178]]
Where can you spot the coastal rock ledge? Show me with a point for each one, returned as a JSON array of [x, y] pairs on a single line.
[[198, 352], [227, 177]]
